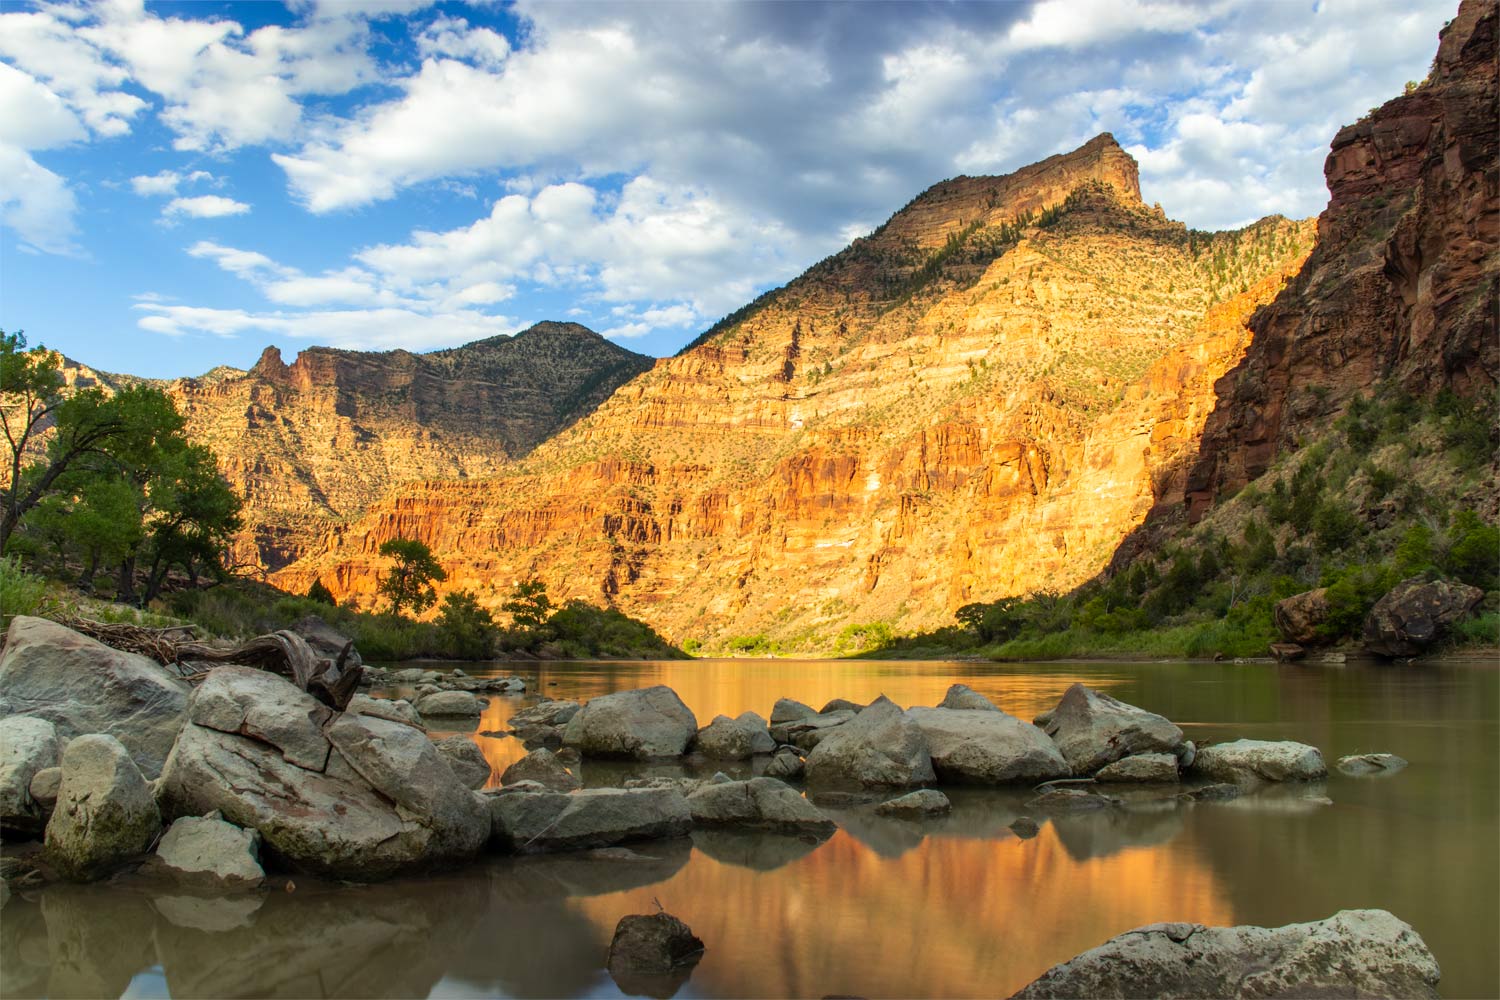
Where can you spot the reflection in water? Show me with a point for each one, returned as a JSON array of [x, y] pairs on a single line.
[[954, 905]]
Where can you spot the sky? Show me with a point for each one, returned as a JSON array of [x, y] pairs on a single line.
[[182, 184]]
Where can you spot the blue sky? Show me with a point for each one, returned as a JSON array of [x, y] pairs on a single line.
[[182, 184]]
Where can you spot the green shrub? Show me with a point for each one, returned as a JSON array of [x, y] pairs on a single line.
[[21, 593], [1334, 526], [1473, 551]]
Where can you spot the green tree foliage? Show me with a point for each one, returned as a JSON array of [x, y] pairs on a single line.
[[1473, 551], [321, 594], [528, 605], [468, 630], [409, 583]]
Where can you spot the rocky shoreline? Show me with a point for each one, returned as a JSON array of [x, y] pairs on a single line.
[[238, 778]]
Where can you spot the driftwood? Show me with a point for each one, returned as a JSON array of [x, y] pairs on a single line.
[[285, 652]]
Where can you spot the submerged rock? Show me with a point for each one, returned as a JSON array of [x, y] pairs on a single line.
[[880, 747], [651, 722], [27, 746], [923, 802], [209, 848], [1024, 827], [1354, 953], [987, 747], [1093, 729], [735, 739], [1069, 800], [757, 804], [595, 817], [105, 813], [1259, 760], [1371, 764]]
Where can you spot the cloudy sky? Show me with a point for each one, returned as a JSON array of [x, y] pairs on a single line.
[[184, 183]]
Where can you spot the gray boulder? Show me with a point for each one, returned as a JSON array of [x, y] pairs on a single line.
[[1093, 729], [105, 813], [1064, 800], [914, 805], [1371, 764], [1259, 760], [1354, 953], [82, 686], [987, 747], [264, 707], [466, 760], [394, 709], [841, 705], [650, 722], [27, 745], [546, 713], [790, 710], [1141, 767], [808, 732], [543, 767], [45, 785], [207, 848], [1297, 617], [325, 640], [757, 804], [652, 954], [450, 704], [735, 739], [538, 822], [880, 747], [786, 765], [963, 696], [1414, 615]]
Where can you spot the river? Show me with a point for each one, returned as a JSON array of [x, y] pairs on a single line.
[[956, 907]]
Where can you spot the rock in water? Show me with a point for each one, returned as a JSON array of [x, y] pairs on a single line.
[[27, 746], [1259, 760], [1354, 953], [791, 710], [452, 704], [757, 804], [880, 747], [653, 954], [537, 822], [546, 713], [394, 709], [735, 739], [987, 747], [82, 686], [543, 767], [1093, 729], [1142, 767], [651, 722], [1368, 764], [1415, 614], [105, 813], [466, 760], [207, 847], [786, 765], [963, 696], [912, 805], [1024, 827]]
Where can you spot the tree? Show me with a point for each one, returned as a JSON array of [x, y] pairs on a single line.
[[321, 594], [468, 630], [409, 582], [529, 606]]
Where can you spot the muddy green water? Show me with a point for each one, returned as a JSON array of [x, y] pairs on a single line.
[[953, 907]]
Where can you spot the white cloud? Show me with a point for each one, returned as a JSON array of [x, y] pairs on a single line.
[[36, 203], [204, 206], [356, 329], [166, 182]]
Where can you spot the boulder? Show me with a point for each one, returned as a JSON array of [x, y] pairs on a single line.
[[652, 954], [1414, 615], [880, 747], [1354, 953], [27, 745], [1297, 617], [465, 759], [757, 804], [1093, 729], [963, 696], [82, 686], [786, 765], [45, 785], [538, 822], [1055, 800], [1259, 760], [452, 704], [651, 722], [546, 713], [542, 766], [987, 747], [790, 710], [912, 805], [1369, 764], [394, 709], [207, 848], [326, 641], [264, 707], [808, 732], [1141, 767], [1024, 827], [735, 739], [105, 813], [841, 705]]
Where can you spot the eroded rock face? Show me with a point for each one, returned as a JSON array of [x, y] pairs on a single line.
[[82, 686], [1414, 615], [651, 722], [987, 747], [880, 747], [1259, 760], [207, 848], [27, 746], [105, 812], [1093, 729], [757, 804], [536, 822], [1354, 953], [735, 739]]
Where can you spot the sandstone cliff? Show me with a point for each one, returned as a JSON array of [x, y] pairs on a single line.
[[982, 397]]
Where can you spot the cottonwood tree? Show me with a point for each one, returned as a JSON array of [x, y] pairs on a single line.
[[529, 606], [409, 582]]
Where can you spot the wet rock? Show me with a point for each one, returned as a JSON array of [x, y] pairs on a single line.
[[790, 710], [752, 849], [264, 707], [680, 783], [1371, 764], [1024, 827], [105, 813], [653, 954], [651, 722], [1297, 617], [1259, 760], [1286, 652], [326, 641], [394, 709], [466, 760], [987, 747], [1414, 615], [208, 848], [881, 747], [546, 713], [1354, 953], [787, 765], [82, 686], [569, 756], [27, 746], [1141, 767], [913, 805], [1093, 729], [757, 804], [452, 704], [543, 767], [964, 697], [1055, 800], [735, 739], [595, 817], [1217, 792]]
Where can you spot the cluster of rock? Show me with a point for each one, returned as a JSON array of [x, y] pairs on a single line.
[[1406, 622]]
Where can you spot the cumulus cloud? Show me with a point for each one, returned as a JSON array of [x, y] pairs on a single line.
[[357, 329], [204, 206]]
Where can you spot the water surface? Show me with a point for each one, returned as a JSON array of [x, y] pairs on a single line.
[[952, 907]]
